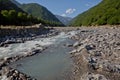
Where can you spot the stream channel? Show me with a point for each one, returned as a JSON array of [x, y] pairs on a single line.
[[54, 63]]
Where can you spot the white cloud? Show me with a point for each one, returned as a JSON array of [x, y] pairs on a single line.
[[70, 11], [87, 5], [63, 15]]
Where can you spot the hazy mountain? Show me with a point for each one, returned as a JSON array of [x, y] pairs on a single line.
[[106, 12], [39, 11], [64, 20]]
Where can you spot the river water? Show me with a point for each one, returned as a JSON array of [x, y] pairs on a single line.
[[53, 63]]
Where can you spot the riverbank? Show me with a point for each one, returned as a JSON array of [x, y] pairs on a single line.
[[96, 54], [20, 34]]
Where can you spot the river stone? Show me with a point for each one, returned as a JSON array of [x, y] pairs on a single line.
[[90, 47], [92, 76], [12, 74], [76, 44]]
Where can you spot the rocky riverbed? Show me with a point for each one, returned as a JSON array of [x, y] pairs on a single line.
[[7, 73], [96, 54], [20, 36], [14, 52]]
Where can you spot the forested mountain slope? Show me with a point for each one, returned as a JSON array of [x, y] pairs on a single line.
[[40, 12], [106, 12], [8, 5]]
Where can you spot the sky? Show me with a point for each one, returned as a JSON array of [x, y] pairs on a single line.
[[68, 8]]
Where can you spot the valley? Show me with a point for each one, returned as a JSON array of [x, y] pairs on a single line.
[[38, 44]]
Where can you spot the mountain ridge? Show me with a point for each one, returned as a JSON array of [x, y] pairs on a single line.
[[106, 12], [15, 2], [8, 5], [40, 11]]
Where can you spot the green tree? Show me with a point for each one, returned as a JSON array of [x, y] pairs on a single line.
[[12, 17], [5, 13], [113, 20]]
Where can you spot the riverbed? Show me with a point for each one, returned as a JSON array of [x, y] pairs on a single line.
[[51, 64]]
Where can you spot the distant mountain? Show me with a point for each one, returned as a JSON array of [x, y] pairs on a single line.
[[8, 5], [64, 20], [106, 12], [39, 12]]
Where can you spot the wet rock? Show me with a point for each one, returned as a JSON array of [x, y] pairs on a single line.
[[3, 44], [68, 45], [36, 51], [38, 45], [90, 47], [22, 76], [73, 51], [2, 63], [76, 44], [12, 74], [7, 42]]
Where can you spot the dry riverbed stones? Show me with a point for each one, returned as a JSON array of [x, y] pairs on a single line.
[[96, 54]]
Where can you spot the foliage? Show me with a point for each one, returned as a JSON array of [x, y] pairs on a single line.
[[12, 17], [107, 12]]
